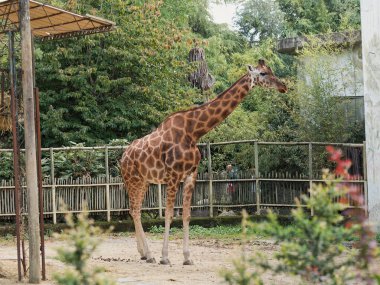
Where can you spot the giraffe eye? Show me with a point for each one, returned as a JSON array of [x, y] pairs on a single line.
[[263, 73]]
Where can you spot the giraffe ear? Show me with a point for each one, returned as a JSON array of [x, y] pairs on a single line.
[[250, 68]]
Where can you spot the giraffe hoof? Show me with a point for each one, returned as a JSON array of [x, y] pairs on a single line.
[[143, 258], [188, 262], [150, 260], [164, 261]]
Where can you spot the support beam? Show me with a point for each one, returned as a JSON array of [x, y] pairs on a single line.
[[371, 74], [30, 143], [39, 180], [210, 177], [16, 148]]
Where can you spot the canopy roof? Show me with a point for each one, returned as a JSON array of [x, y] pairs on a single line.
[[48, 22]]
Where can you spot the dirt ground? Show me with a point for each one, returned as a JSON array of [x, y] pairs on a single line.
[[119, 257]]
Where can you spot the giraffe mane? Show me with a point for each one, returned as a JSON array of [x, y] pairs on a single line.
[[206, 103]]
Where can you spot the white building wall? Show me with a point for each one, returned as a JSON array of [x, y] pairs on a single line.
[[370, 11], [345, 71]]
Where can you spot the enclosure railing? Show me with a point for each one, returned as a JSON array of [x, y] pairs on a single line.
[[253, 188]]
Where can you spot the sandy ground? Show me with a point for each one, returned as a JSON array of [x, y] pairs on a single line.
[[119, 257]]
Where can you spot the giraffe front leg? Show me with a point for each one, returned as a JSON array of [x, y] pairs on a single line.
[[186, 214], [165, 247]]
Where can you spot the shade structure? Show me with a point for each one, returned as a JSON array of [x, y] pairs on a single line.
[[33, 20], [49, 22]]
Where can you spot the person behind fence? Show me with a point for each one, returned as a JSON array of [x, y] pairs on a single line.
[[231, 189]]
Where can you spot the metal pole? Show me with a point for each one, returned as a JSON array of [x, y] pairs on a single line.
[[108, 204], [365, 179], [311, 172], [52, 177], [40, 189], [2, 104], [16, 151], [258, 194], [210, 195], [160, 200], [30, 142]]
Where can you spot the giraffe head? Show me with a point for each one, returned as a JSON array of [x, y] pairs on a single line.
[[262, 75]]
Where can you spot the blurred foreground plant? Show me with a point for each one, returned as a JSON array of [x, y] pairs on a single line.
[[82, 239], [313, 247]]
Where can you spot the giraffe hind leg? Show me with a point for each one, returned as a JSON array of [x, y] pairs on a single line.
[[136, 195]]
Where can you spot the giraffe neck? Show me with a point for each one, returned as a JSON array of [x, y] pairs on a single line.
[[204, 118]]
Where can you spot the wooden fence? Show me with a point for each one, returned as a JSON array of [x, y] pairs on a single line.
[[249, 189]]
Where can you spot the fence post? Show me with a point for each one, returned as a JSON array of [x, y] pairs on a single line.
[[108, 203], [160, 200], [365, 178], [258, 194], [210, 190], [311, 172], [52, 178]]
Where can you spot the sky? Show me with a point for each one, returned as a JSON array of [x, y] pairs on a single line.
[[223, 13]]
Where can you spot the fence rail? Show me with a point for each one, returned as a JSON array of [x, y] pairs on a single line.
[[213, 192]]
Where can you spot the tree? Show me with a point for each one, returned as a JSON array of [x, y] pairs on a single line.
[[89, 85], [320, 16], [122, 84], [260, 19]]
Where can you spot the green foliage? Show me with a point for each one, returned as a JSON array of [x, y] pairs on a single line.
[[320, 16], [218, 232], [239, 126], [312, 248], [115, 155], [290, 159], [82, 239], [79, 163], [6, 166], [88, 85], [122, 84], [243, 275], [260, 19], [242, 272], [221, 49], [263, 115], [76, 163], [274, 112], [157, 229], [115, 85], [322, 80]]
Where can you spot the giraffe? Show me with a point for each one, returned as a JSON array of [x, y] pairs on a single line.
[[169, 155]]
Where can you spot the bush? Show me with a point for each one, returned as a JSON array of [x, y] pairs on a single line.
[[82, 241], [6, 166], [314, 247]]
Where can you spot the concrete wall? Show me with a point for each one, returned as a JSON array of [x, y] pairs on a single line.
[[347, 67], [345, 72]]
